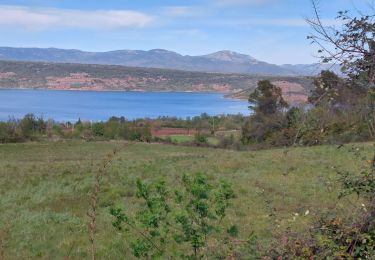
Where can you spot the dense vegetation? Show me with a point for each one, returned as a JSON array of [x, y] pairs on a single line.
[[31, 128], [337, 112], [46, 188]]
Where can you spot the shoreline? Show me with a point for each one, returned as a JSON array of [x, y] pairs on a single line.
[[226, 95]]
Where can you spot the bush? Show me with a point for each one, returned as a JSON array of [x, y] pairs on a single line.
[[97, 129], [179, 223], [200, 138], [334, 237]]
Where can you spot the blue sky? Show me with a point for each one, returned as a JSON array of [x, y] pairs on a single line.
[[269, 30]]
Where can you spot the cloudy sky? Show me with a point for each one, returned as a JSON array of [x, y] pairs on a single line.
[[269, 30]]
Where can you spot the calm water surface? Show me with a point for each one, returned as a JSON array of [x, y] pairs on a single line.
[[87, 105]]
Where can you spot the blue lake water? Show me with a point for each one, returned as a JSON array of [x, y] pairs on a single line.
[[96, 106]]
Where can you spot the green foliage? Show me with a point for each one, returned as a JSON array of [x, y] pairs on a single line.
[[31, 128], [326, 88], [342, 238], [233, 231], [363, 185], [202, 210], [8, 133], [339, 113], [44, 199], [294, 117], [268, 118], [260, 128], [28, 128], [97, 129], [267, 99], [200, 138], [150, 223], [189, 218], [351, 45]]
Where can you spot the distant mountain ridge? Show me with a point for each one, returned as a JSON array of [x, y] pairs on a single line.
[[223, 61]]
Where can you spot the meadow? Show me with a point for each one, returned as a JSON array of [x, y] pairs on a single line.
[[45, 190]]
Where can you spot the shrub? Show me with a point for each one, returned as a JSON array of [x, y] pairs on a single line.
[[97, 129], [336, 237], [200, 138], [176, 223]]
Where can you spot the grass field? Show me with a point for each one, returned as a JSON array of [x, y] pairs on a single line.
[[45, 189], [190, 138]]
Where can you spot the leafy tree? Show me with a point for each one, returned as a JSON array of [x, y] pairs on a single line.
[[5, 133], [352, 45], [268, 105], [326, 88], [267, 99], [332, 91], [28, 125], [97, 129], [293, 117]]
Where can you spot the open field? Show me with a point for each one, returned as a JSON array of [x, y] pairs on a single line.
[[45, 189], [181, 139]]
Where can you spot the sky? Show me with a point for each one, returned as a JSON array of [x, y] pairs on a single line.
[[274, 31]]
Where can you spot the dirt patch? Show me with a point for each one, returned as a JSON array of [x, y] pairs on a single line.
[[7, 75], [292, 92]]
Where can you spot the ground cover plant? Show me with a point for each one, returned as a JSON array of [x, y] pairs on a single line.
[[46, 189]]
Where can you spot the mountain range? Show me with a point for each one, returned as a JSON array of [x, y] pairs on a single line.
[[221, 61]]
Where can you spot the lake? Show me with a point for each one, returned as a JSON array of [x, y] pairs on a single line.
[[97, 106]]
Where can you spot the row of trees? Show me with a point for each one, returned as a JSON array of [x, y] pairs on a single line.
[[337, 112], [340, 109], [31, 128]]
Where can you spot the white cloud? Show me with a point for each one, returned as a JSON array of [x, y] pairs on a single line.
[[178, 11], [49, 18]]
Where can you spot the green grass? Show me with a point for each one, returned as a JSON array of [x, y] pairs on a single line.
[[45, 189], [181, 138], [190, 138]]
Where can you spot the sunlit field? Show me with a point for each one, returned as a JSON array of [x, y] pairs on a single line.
[[45, 190]]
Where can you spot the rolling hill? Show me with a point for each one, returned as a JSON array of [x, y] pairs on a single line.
[[222, 61]]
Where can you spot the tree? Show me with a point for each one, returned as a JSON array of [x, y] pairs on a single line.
[[326, 88], [28, 125], [267, 98], [352, 45], [334, 92], [268, 105]]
